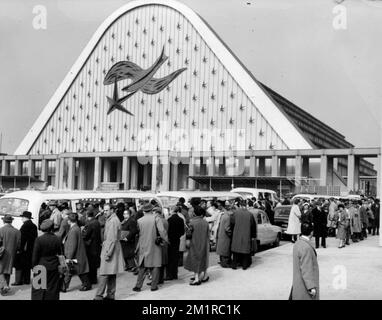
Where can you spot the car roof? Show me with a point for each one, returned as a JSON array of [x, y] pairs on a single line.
[[198, 194], [243, 189]]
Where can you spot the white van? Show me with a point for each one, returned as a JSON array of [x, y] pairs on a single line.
[[259, 194], [16, 202]]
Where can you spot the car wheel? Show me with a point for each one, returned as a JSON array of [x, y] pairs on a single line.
[[277, 241]]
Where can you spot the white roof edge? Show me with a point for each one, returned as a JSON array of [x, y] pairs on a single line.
[[279, 122]]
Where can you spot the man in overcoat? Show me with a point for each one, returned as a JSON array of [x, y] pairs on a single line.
[[224, 235], [243, 230], [149, 253], [175, 232], [364, 218], [111, 256], [319, 225], [305, 268], [23, 263], [92, 238], [376, 210], [10, 239], [74, 249]]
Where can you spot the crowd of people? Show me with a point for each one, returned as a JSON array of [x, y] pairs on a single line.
[[100, 240], [347, 220]]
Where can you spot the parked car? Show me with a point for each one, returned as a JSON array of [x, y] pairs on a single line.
[[267, 234], [281, 217], [259, 194]]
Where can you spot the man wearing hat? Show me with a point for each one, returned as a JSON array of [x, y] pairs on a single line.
[[320, 218], [149, 251], [23, 263], [56, 215], [10, 240]]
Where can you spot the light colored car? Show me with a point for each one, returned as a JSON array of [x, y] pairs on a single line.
[[259, 194], [15, 203], [312, 197], [267, 234]]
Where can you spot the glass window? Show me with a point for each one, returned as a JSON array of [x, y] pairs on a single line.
[[168, 201], [259, 221], [13, 206]]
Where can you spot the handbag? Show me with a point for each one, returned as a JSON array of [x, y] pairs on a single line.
[[63, 267]]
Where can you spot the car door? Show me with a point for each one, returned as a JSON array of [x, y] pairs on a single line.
[[271, 232]]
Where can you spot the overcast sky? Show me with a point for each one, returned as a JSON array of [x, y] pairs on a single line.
[[290, 45]]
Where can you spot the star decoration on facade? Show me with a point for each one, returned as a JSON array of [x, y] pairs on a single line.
[[52, 130], [167, 112], [133, 138], [58, 140], [101, 138], [124, 149], [158, 124], [144, 31], [241, 134], [74, 96], [141, 125], [222, 83], [193, 123], [159, 100], [153, 19], [186, 62], [185, 111], [232, 95], [87, 139], [205, 60], [204, 85], [66, 129], [261, 133], [161, 29], [195, 73], [203, 109], [168, 88], [95, 105], [212, 122], [251, 120], [110, 127], [176, 99], [169, 63], [212, 97], [81, 84], [202, 136], [113, 36], [89, 72], [45, 141], [242, 107], [96, 82], [73, 118], [136, 44], [144, 55], [136, 21], [187, 38], [251, 146], [87, 117], [213, 71], [81, 107], [176, 124], [72, 140], [194, 97], [178, 26], [142, 101], [271, 146], [120, 46], [150, 113], [59, 119], [104, 71], [185, 86], [196, 48], [125, 126], [221, 108], [222, 134], [231, 121], [117, 138], [169, 40], [66, 107], [89, 95], [152, 42], [105, 48], [128, 33], [177, 51]]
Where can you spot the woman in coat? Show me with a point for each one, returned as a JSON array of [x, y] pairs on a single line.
[[45, 253], [129, 231], [197, 260], [294, 224], [342, 224], [10, 239]]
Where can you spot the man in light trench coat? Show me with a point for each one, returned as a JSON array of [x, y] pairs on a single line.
[[305, 268], [149, 252], [112, 261]]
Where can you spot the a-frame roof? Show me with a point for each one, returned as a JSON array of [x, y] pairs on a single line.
[[275, 116]]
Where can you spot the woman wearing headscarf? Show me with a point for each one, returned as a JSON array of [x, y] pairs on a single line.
[[47, 247], [197, 258]]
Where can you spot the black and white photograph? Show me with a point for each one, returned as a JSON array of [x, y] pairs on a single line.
[[191, 150]]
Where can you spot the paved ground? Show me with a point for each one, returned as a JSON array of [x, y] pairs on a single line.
[[269, 277]]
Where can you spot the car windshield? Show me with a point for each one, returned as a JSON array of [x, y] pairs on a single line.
[[13, 206]]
